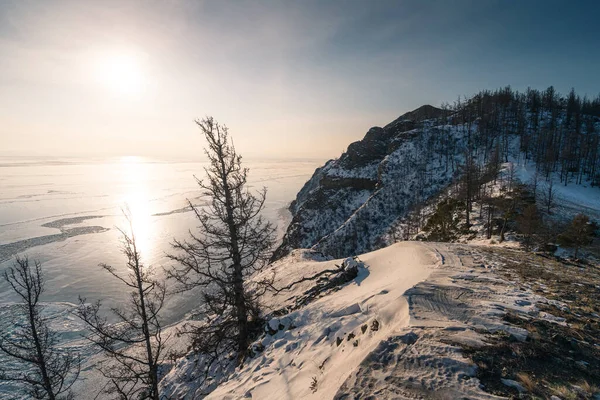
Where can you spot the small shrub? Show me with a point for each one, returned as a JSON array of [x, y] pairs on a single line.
[[564, 392], [589, 389], [314, 384], [527, 382]]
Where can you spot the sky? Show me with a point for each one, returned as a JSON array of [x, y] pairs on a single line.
[[297, 79]]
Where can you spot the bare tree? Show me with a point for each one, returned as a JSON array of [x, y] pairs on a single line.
[[549, 196], [133, 344], [511, 173], [534, 183], [529, 223], [233, 242], [578, 234], [45, 370]]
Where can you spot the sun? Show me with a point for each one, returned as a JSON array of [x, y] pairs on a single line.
[[120, 73]]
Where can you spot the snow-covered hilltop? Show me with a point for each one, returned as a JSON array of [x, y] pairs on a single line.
[[420, 320], [504, 174], [496, 298], [353, 204], [349, 203]]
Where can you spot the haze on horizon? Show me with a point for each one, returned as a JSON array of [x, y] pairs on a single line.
[[290, 79]]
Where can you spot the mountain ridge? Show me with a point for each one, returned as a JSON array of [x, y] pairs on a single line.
[[351, 203], [356, 175]]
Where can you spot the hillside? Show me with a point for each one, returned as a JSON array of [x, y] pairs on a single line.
[[444, 255], [423, 321], [354, 203], [349, 202]]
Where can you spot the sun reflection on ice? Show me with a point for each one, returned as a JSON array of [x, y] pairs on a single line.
[[136, 200]]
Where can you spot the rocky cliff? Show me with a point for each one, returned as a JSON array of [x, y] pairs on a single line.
[[354, 204], [350, 203]]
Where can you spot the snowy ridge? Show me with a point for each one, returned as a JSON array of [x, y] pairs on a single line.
[[325, 339], [413, 172], [396, 332], [349, 203], [354, 203], [408, 176]]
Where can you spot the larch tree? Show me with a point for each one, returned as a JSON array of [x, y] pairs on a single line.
[[549, 196], [233, 242], [578, 234], [443, 225], [42, 368], [133, 344], [529, 223]]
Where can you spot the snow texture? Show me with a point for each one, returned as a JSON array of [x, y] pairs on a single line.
[[395, 332]]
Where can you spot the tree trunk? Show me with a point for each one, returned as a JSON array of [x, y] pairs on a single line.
[[38, 349], [504, 222], [238, 278], [489, 221], [145, 330]]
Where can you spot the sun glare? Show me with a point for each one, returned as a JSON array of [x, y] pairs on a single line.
[[120, 73], [137, 199]]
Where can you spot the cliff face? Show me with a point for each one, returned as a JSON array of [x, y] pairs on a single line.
[[350, 203]]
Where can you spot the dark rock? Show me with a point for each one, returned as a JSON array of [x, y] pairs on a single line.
[[375, 325], [408, 338], [372, 147], [329, 182], [334, 195]]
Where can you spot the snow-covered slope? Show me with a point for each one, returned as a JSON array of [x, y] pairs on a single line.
[[293, 357], [350, 203], [398, 331], [570, 199]]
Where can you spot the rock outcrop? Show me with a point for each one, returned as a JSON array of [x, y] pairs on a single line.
[[350, 203]]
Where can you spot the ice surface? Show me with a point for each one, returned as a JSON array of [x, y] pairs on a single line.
[[63, 212]]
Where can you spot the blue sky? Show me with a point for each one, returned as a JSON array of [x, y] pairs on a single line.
[[297, 79]]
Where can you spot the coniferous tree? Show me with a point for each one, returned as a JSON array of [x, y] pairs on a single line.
[[44, 370], [443, 225], [548, 234], [233, 243], [579, 233], [529, 223], [506, 205]]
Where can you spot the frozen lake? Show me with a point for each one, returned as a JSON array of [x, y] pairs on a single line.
[[64, 213]]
